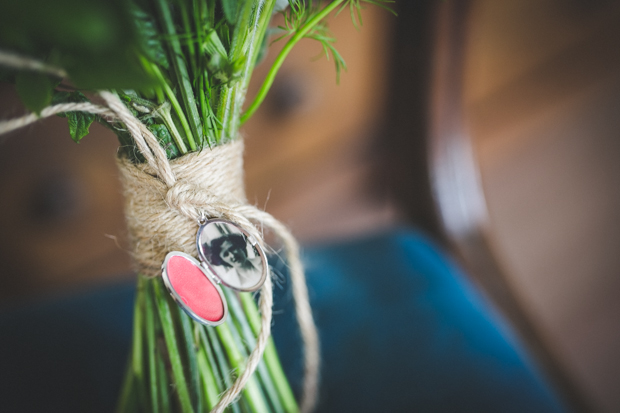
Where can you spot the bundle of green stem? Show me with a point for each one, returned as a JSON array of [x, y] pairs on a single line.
[[180, 365], [182, 67]]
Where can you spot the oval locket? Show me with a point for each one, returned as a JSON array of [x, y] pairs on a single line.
[[229, 255]]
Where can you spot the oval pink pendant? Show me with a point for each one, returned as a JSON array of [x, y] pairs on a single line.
[[193, 289]]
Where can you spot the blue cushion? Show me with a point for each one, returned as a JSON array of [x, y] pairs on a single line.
[[401, 330]]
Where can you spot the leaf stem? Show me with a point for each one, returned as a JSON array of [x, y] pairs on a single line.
[[192, 365], [180, 71], [277, 64], [167, 326], [177, 108], [246, 44], [222, 362], [270, 356], [150, 341], [254, 396], [206, 365], [271, 390]]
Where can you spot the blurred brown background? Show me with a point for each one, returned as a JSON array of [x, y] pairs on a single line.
[[515, 100]]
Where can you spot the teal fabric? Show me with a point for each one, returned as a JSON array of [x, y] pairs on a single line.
[[401, 331]]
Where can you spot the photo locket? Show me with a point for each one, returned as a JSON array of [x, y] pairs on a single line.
[[229, 256]]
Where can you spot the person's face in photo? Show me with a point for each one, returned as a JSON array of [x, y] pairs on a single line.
[[232, 255]]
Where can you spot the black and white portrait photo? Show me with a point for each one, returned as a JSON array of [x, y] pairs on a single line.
[[231, 256]]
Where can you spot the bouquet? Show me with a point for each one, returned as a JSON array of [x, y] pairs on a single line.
[[170, 77]]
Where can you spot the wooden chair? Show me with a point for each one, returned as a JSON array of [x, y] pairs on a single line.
[[434, 169]]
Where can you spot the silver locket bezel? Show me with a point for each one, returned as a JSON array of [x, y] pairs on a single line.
[[177, 298], [253, 242]]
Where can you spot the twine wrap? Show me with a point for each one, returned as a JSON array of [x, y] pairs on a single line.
[[164, 201], [162, 219]]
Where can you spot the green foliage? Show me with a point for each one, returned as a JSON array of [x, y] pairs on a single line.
[[94, 41], [230, 8], [306, 19], [162, 134], [35, 89], [322, 34], [150, 41], [79, 122], [186, 62]]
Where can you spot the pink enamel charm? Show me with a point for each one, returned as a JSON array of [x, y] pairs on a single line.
[[193, 289]]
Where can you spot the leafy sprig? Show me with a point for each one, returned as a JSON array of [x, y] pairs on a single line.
[[194, 58], [306, 19]]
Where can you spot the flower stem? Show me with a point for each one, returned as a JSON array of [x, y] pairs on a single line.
[[251, 391], [270, 356], [180, 72], [273, 71], [271, 390], [207, 368], [176, 363], [152, 362], [222, 362], [192, 364], [249, 33]]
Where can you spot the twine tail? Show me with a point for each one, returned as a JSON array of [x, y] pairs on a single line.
[[307, 327], [265, 305]]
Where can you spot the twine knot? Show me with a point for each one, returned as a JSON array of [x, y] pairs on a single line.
[[192, 201]]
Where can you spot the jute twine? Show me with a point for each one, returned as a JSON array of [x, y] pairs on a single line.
[[165, 200]]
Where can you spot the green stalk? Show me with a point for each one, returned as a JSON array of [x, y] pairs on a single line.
[[163, 384], [189, 41], [136, 364], [252, 392], [206, 364], [198, 65], [241, 346], [272, 392], [180, 71], [176, 363], [208, 118], [177, 108], [138, 345], [208, 351], [273, 71], [270, 356], [152, 364], [222, 362], [245, 45], [208, 381], [192, 365], [163, 379]]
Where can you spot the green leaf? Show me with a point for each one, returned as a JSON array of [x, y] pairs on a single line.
[[95, 41], [230, 8], [151, 44], [165, 140], [79, 122], [35, 90]]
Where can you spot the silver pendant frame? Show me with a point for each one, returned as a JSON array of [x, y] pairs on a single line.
[[177, 298], [253, 242]]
